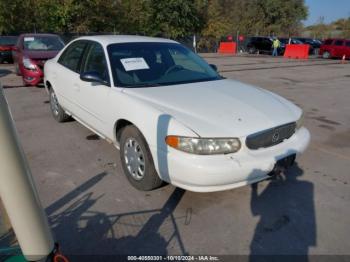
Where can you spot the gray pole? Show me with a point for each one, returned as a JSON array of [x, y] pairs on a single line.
[[18, 194], [237, 41]]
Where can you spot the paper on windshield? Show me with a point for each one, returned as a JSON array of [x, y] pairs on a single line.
[[136, 63], [28, 39]]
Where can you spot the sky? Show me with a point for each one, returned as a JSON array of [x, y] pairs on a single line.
[[330, 9]]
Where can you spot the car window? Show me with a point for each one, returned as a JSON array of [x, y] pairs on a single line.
[[348, 43], [71, 57], [148, 64], [96, 61], [184, 61], [339, 42], [296, 41], [8, 40], [42, 43], [328, 42], [266, 41]]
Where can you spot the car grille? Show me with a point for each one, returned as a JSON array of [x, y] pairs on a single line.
[[271, 136]]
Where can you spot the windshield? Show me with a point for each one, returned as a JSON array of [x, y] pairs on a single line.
[[151, 64], [42, 43], [8, 40], [284, 40]]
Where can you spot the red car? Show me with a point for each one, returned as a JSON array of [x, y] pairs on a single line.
[[30, 54], [335, 48], [6, 46]]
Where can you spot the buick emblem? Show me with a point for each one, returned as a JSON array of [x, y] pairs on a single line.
[[275, 137]]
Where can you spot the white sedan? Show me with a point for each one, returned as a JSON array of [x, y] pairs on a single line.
[[173, 117]]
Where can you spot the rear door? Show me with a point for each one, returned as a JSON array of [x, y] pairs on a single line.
[[66, 76], [266, 45]]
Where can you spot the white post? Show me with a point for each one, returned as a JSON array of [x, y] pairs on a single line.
[[18, 193]]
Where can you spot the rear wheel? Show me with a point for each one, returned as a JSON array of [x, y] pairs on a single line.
[[57, 111], [326, 55], [137, 161], [252, 50]]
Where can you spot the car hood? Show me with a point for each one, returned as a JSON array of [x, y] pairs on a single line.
[[223, 108], [42, 55]]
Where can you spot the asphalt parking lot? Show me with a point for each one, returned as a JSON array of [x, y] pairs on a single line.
[[93, 209]]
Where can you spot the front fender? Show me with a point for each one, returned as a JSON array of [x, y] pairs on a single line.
[[153, 123]]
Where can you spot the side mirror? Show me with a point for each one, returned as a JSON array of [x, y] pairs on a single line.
[[214, 67], [92, 77]]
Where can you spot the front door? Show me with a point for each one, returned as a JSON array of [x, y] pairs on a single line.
[[93, 97], [347, 49], [339, 48]]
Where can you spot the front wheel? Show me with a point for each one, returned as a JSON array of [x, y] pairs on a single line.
[[57, 111], [137, 160]]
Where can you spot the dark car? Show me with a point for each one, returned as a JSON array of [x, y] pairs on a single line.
[[262, 44], [313, 43], [6, 46], [296, 41], [30, 54], [335, 48]]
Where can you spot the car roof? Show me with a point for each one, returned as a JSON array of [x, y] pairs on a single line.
[[34, 34], [113, 39], [261, 37], [336, 39]]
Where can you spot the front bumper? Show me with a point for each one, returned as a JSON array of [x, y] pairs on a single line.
[[31, 77], [222, 172]]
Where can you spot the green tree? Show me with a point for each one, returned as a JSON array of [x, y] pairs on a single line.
[[282, 17], [173, 18], [16, 16], [212, 19], [216, 24], [134, 17]]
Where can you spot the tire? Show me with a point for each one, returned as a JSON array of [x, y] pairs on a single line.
[[326, 55], [18, 72], [252, 50], [57, 111], [137, 161]]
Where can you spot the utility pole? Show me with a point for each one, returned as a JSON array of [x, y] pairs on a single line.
[[18, 193]]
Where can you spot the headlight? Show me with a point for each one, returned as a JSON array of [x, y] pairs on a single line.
[[204, 146], [28, 64], [300, 121]]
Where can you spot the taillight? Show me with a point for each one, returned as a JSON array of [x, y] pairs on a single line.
[[5, 48]]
